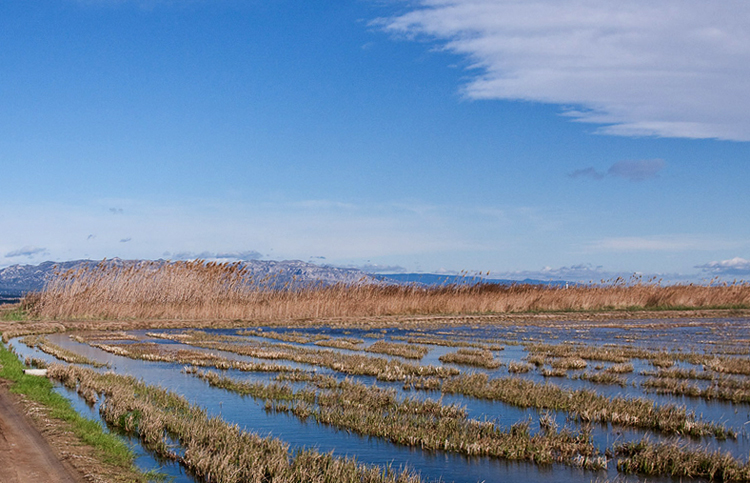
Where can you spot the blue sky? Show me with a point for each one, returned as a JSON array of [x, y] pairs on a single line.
[[550, 139]]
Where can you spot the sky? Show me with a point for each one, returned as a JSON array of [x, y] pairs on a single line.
[[552, 139]]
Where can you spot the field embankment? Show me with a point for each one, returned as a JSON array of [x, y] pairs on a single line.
[[200, 291]]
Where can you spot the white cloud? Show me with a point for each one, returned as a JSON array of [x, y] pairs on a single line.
[[27, 251], [673, 68], [734, 266], [637, 170]]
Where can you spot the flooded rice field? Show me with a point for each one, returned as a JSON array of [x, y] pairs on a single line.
[[647, 400]]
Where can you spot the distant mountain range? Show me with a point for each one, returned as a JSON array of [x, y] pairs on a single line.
[[17, 280], [437, 279]]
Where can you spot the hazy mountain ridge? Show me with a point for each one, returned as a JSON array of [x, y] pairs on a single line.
[[19, 279], [431, 279]]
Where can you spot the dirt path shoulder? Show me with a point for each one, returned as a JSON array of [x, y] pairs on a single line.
[[25, 456]]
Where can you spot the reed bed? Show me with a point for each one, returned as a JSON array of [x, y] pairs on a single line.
[[603, 378], [201, 290], [722, 389], [675, 459], [625, 368], [446, 342], [554, 372], [29, 328], [618, 354], [214, 450], [407, 351], [582, 404], [296, 337], [40, 342], [352, 364], [568, 363], [347, 343], [34, 362], [472, 357], [519, 367], [426, 424], [149, 351], [729, 365], [680, 374]]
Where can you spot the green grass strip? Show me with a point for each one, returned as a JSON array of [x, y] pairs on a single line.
[[110, 447]]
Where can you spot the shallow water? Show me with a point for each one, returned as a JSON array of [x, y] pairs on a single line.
[[251, 415]]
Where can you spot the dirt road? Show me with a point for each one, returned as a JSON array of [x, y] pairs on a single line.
[[25, 456]]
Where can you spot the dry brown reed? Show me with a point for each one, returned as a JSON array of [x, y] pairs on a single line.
[[427, 424], [25, 328], [519, 367], [676, 459], [149, 351], [472, 357], [568, 363], [603, 378], [586, 405], [621, 354], [725, 389], [40, 342], [353, 364], [407, 351], [296, 337], [200, 290], [446, 342], [347, 343], [214, 450]]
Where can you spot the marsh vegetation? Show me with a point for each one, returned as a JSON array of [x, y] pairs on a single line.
[[200, 290], [446, 380]]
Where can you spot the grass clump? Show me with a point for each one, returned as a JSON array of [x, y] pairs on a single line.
[[40, 342], [407, 351], [427, 424], [347, 343], [213, 449], [585, 405], [675, 459], [472, 357], [352, 364]]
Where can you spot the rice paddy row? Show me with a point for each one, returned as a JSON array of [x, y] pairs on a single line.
[[446, 342], [352, 364], [539, 353], [427, 424], [472, 357], [40, 342], [211, 448], [722, 389], [149, 351], [585, 405]]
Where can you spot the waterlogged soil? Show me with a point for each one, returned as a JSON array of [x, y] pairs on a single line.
[[700, 337]]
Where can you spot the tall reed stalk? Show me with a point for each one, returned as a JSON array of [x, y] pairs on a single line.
[[201, 290]]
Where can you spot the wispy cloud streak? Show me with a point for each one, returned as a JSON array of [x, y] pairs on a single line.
[[674, 68], [638, 170]]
